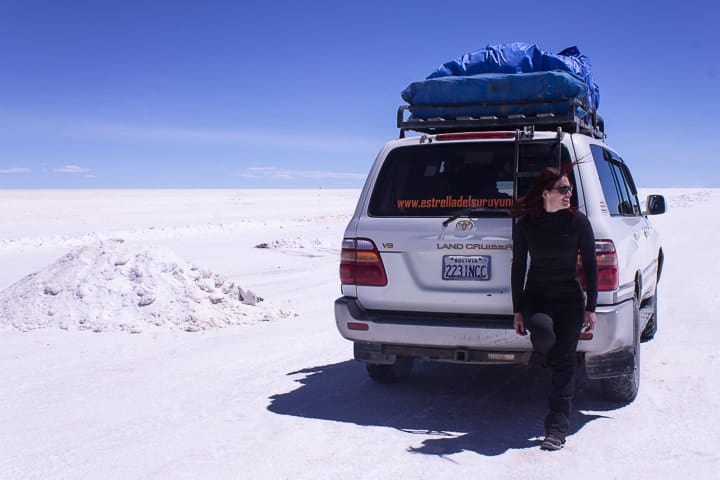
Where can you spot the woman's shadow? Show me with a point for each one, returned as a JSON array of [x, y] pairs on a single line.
[[486, 409]]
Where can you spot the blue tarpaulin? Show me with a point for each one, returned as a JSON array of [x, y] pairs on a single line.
[[509, 73]]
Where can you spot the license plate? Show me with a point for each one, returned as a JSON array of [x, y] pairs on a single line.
[[463, 267]]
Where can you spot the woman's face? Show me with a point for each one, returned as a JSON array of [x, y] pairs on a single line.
[[558, 197]]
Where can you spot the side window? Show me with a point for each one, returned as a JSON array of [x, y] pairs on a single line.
[[617, 185], [630, 187]]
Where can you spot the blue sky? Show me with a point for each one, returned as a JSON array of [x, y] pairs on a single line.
[[240, 94]]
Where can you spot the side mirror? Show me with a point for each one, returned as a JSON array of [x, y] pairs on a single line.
[[655, 204]]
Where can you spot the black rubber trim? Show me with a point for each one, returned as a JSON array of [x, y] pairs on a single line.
[[427, 319]]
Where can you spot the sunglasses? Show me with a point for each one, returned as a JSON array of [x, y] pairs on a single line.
[[564, 190]]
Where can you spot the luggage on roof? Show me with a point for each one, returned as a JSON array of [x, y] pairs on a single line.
[[514, 84]]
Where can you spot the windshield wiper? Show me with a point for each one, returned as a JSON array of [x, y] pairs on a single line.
[[474, 212]]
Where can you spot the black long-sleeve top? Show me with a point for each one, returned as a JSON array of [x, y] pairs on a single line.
[[553, 241]]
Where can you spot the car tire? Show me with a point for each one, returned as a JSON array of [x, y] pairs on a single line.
[[396, 372], [624, 388]]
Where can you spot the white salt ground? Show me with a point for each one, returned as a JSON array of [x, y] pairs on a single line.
[[284, 399]]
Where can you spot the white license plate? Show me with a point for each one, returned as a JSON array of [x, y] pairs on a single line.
[[464, 267]]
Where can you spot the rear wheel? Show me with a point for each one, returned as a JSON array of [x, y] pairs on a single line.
[[395, 372], [624, 388]]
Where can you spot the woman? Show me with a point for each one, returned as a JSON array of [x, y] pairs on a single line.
[[550, 302]]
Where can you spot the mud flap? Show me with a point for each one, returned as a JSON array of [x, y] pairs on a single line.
[[610, 364], [372, 353]]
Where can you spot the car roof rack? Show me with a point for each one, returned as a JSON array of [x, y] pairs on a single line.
[[440, 118]]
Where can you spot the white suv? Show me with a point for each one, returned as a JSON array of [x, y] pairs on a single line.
[[425, 266]]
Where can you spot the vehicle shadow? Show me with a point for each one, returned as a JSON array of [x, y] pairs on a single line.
[[485, 409]]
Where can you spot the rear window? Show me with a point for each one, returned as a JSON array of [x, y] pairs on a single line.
[[438, 179]]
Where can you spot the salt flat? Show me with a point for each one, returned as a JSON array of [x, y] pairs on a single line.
[[278, 396]]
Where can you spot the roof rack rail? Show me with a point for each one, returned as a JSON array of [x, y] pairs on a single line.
[[548, 115]]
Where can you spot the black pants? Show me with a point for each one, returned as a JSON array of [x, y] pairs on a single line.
[[555, 326]]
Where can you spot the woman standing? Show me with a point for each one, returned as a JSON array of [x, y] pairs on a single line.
[[550, 302]]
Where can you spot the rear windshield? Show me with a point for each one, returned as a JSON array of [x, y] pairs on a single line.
[[439, 179]]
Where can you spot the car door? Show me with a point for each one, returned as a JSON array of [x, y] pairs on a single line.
[[629, 224], [646, 235]]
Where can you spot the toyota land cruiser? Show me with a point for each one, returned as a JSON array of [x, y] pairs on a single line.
[[425, 262]]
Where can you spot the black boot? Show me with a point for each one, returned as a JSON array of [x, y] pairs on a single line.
[[552, 442], [555, 427]]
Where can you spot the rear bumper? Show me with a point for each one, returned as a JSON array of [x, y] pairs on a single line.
[[479, 333]]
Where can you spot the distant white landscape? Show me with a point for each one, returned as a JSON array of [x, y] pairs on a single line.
[[178, 334]]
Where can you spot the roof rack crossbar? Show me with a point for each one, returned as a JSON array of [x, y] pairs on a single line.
[[454, 117]]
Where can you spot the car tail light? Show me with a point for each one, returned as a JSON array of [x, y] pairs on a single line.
[[360, 263], [606, 255]]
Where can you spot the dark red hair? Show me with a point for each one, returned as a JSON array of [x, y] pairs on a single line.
[[531, 204]]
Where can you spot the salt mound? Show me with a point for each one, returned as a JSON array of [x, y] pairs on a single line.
[[297, 242], [109, 286]]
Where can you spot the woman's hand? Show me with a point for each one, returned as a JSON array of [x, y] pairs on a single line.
[[589, 321], [519, 324]]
